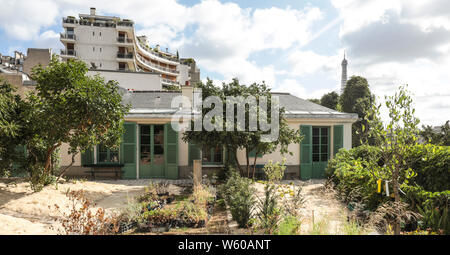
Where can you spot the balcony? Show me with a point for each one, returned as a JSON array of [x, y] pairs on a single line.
[[124, 40], [168, 82], [70, 21], [124, 55], [67, 37], [68, 53], [158, 68], [126, 24], [172, 59]]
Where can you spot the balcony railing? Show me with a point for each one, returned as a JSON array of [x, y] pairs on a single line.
[[68, 52], [161, 68], [124, 55], [170, 82], [124, 40], [67, 36], [157, 54], [70, 20], [125, 23]]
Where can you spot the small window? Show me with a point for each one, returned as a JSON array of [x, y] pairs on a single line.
[[100, 33], [93, 33], [212, 156], [106, 155], [93, 48], [100, 49]]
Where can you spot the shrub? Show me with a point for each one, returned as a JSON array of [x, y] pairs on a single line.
[[290, 225], [432, 165], [82, 219], [238, 194], [269, 213], [274, 171]]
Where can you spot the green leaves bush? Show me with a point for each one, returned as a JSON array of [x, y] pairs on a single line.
[[239, 195], [427, 193]]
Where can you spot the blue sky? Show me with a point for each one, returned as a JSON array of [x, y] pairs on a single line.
[[294, 46]]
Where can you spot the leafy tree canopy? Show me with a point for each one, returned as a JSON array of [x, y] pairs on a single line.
[[438, 136], [248, 140], [330, 100], [71, 107]]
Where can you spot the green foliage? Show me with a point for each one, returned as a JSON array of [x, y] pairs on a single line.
[[71, 107], [239, 195], [274, 172], [432, 165], [314, 100], [357, 98], [427, 192], [437, 137], [11, 125], [242, 139], [433, 206], [290, 225], [350, 170], [269, 213], [330, 100]]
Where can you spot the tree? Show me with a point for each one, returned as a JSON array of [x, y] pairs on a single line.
[[11, 125], [314, 100], [394, 141], [357, 98], [438, 136], [248, 140], [71, 107], [330, 100]]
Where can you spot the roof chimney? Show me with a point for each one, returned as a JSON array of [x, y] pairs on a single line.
[[92, 10]]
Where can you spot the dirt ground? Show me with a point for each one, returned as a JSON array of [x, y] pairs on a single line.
[[320, 202], [23, 211]]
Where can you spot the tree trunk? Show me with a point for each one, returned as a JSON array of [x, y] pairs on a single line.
[[237, 163], [67, 168], [396, 199], [248, 163], [254, 166]]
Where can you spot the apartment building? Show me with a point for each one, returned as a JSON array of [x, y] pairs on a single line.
[[111, 43]]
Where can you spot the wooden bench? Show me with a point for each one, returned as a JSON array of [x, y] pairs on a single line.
[[107, 168]]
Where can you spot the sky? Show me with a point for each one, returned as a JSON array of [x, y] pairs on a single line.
[[294, 46]]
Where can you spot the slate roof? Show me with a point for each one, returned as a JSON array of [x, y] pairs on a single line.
[[157, 104]]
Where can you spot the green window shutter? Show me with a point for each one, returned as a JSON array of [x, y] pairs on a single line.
[[171, 155], [194, 153], [338, 138], [306, 152], [87, 157], [128, 150]]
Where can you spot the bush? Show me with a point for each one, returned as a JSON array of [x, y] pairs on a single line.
[[427, 193], [238, 194], [432, 165], [289, 226], [349, 171], [82, 219]]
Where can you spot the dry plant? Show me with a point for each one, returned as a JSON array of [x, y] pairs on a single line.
[[389, 213], [83, 219]]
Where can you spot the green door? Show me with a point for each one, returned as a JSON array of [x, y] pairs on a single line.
[[171, 155], [320, 151], [305, 153], [151, 151], [128, 150]]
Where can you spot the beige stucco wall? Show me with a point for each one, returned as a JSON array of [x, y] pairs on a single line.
[[293, 159]]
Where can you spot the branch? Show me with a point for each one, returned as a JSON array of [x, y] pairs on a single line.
[[67, 167]]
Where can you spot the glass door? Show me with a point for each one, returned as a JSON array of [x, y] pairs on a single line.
[[320, 151], [151, 151]]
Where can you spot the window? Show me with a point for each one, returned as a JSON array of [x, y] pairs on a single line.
[[100, 49], [320, 144], [100, 33], [93, 48], [105, 155], [212, 156], [93, 33]]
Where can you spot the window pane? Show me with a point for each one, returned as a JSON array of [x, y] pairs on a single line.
[[316, 148], [316, 131], [218, 154], [315, 157], [324, 131], [113, 156], [145, 130], [324, 157], [102, 157], [206, 154]]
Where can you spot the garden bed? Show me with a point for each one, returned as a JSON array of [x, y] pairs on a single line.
[[158, 211]]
